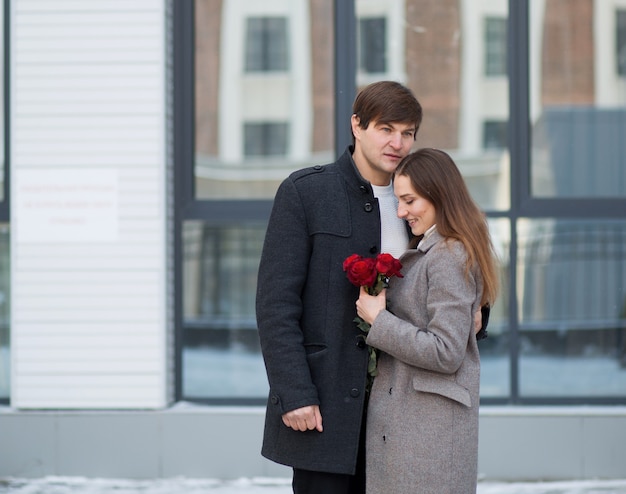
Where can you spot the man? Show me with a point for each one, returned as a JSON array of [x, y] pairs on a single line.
[[315, 355]]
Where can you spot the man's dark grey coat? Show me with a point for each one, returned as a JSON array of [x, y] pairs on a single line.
[[313, 351]]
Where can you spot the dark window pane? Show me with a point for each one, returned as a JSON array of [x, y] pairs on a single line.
[[266, 44], [495, 46], [495, 135], [373, 36], [265, 139]]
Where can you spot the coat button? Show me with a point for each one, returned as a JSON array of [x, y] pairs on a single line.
[[368, 207], [354, 392], [363, 189], [274, 400], [374, 249], [317, 167], [360, 341]]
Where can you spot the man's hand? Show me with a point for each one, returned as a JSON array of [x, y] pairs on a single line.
[[481, 319], [478, 321], [304, 419]]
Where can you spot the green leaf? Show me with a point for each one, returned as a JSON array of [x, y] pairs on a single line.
[[371, 367], [361, 324]]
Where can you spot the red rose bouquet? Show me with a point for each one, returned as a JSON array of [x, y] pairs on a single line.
[[373, 273]]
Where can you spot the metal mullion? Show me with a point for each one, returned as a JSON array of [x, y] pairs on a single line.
[[345, 71], [227, 211], [6, 199], [587, 208], [519, 148], [183, 35]]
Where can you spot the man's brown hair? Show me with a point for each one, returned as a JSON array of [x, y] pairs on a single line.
[[387, 102]]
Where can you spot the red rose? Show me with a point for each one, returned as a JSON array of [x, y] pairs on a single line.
[[362, 271], [350, 260], [388, 266]]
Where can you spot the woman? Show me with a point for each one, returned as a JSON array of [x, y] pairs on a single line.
[[422, 426]]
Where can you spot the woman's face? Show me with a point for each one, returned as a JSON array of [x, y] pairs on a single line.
[[418, 211]]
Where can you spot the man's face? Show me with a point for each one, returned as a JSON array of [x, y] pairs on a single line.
[[379, 149]]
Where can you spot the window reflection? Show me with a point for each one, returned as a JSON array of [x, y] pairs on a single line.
[[453, 55], [267, 44], [264, 97], [495, 46], [572, 300], [495, 361], [266, 139], [373, 45], [221, 354], [5, 307], [578, 99], [264, 102], [264, 92]]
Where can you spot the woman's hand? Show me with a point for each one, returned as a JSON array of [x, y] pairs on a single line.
[[369, 306]]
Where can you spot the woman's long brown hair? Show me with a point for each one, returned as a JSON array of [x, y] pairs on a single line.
[[435, 176]]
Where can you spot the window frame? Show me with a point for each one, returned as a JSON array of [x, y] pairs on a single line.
[[6, 59], [5, 200]]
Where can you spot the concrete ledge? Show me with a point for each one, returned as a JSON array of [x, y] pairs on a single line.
[[552, 443], [516, 443]]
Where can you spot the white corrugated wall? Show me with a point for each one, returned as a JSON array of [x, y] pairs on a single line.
[[88, 162]]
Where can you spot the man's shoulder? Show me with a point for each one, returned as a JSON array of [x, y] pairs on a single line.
[[322, 171], [341, 168], [313, 171]]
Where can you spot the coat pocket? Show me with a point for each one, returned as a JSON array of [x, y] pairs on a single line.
[[432, 383]]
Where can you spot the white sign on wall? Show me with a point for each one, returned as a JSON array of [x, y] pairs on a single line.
[[65, 206]]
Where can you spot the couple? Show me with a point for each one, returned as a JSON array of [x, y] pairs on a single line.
[[422, 416]]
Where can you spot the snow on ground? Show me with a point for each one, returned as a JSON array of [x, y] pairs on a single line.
[[80, 485]]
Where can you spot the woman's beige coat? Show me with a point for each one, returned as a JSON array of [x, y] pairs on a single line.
[[422, 425]]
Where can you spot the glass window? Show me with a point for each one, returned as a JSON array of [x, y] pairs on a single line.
[[265, 139], [495, 46], [266, 44], [495, 135], [578, 103], [263, 106], [5, 308], [495, 361], [373, 45], [558, 330], [620, 37], [221, 354], [441, 47], [279, 110], [572, 307]]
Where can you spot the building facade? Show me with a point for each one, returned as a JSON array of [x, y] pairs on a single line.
[[143, 143]]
